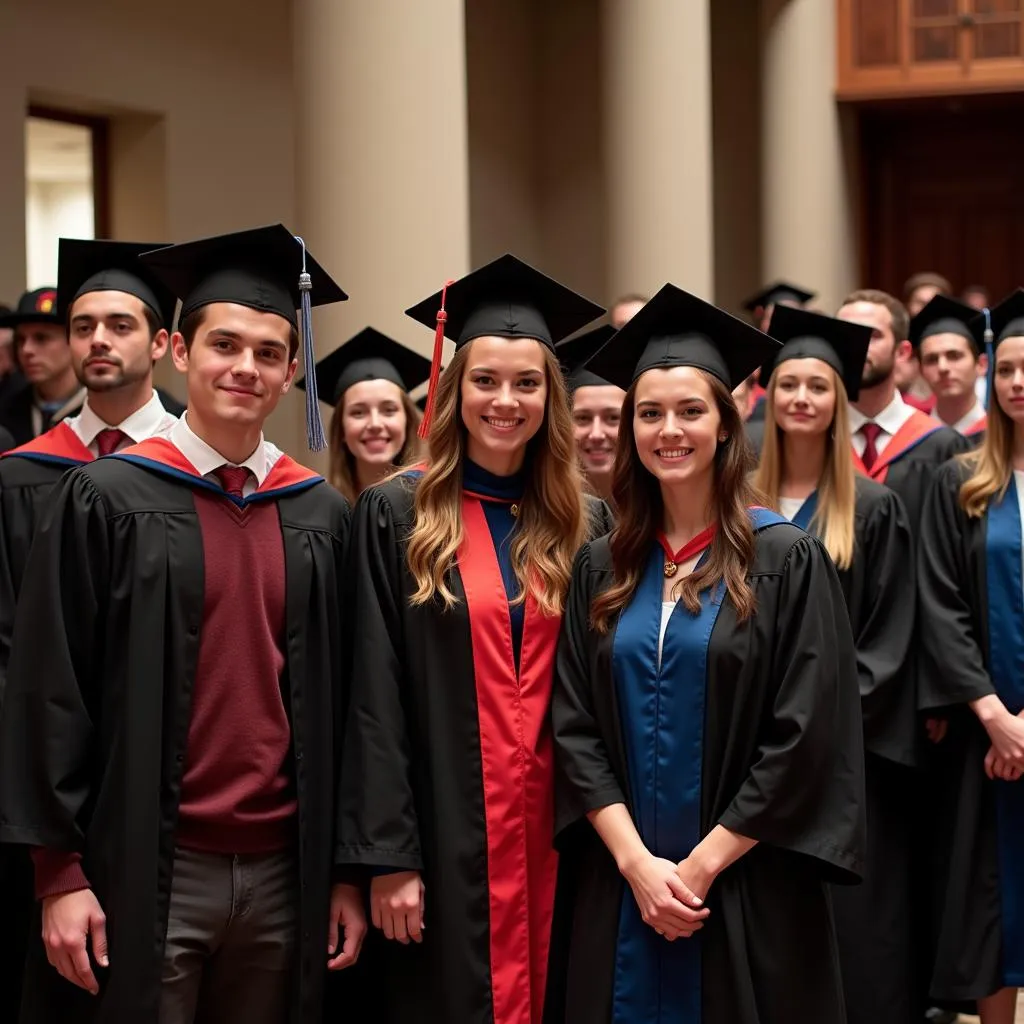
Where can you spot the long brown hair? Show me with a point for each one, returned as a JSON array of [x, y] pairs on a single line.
[[637, 495], [341, 473], [552, 518], [835, 518], [991, 465]]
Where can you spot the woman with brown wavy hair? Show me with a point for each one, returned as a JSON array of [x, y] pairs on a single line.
[[807, 474], [705, 711], [461, 571], [971, 611], [374, 426]]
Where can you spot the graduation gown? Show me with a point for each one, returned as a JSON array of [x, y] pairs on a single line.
[[971, 606], [760, 732], [96, 715], [448, 771], [873, 920], [908, 463], [16, 414]]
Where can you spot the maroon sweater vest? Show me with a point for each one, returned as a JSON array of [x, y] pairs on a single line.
[[237, 791]]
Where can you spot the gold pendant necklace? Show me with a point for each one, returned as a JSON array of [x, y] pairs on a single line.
[[514, 510], [670, 569]]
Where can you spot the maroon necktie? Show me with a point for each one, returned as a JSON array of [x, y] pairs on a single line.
[[870, 432], [233, 479], [107, 441]]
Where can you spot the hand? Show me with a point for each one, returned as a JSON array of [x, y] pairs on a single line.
[[1006, 732], [695, 876], [68, 920], [396, 905], [347, 911], [936, 729], [665, 901], [998, 768]]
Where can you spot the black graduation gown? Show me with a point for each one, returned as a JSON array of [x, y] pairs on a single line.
[[97, 709], [6, 440], [413, 790], [974, 933], [873, 920], [782, 762], [16, 415]]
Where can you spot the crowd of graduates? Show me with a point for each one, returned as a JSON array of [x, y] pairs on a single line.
[[664, 671]]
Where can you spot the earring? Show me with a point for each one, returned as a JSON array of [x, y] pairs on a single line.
[[722, 438]]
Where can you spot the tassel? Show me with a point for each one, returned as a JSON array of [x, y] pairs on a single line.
[[989, 338], [435, 366], [315, 438]]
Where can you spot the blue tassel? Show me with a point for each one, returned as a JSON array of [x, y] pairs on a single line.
[[991, 355], [315, 438]]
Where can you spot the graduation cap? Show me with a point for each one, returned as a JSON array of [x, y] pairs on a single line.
[[678, 329], [35, 307], [777, 294], [368, 355], [1003, 321], [506, 298], [944, 315], [805, 335], [100, 266], [267, 269], [574, 352]]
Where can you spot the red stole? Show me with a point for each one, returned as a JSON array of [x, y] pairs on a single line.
[[58, 444], [518, 774], [917, 427]]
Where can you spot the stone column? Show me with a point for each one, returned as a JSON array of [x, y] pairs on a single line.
[[657, 143]]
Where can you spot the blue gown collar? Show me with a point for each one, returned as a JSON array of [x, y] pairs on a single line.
[[501, 488]]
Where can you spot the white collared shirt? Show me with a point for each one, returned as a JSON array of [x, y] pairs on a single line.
[[890, 419], [965, 423], [152, 420], [206, 459]]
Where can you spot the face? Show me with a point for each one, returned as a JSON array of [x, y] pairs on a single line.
[[596, 412], [623, 312], [676, 424], [804, 396], [1009, 378], [374, 421], [920, 298], [881, 359], [43, 351], [949, 365], [110, 341], [976, 299], [504, 395], [238, 366]]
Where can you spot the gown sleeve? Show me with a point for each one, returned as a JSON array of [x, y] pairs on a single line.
[[46, 729], [377, 824], [585, 779], [7, 597], [952, 670], [886, 626], [805, 791]]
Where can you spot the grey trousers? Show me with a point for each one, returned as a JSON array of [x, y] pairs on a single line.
[[231, 939]]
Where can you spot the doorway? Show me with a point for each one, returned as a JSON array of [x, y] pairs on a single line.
[[943, 191]]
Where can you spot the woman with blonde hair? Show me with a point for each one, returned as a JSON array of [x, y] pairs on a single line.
[[375, 422], [460, 574], [705, 711], [807, 474], [971, 607]]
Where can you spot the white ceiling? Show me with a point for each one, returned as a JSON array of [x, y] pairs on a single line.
[[57, 152]]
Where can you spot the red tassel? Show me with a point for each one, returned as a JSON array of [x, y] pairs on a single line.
[[435, 365]]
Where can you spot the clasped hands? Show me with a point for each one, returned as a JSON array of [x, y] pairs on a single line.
[[1005, 757], [670, 896]]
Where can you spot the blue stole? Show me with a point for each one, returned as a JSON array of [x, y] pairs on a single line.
[[1005, 593], [662, 712], [806, 514]]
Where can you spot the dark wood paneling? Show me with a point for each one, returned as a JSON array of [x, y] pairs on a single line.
[[877, 31]]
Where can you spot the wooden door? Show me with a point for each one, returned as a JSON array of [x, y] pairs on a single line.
[[943, 191]]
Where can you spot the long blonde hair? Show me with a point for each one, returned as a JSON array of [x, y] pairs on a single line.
[[552, 518], [341, 473], [991, 465], [834, 519]]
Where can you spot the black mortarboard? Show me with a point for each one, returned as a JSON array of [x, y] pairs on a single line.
[[267, 269], [35, 307], [944, 315], [506, 298], [678, 329], [781, 291], [368, 355], [86, 266], [1005, 320], [805, 335], [574, 353]]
